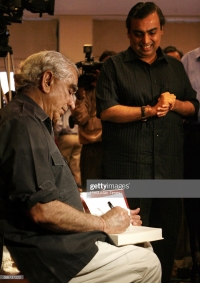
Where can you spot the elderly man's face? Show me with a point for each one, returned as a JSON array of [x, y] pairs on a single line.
[[62, 95], [145, 36]]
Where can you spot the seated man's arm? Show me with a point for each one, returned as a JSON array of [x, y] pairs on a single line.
[[60, 217]]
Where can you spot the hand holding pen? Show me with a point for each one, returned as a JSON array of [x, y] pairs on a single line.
[[135, 219], [116, 220]]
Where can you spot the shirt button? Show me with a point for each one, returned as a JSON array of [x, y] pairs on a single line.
[[155, 82]]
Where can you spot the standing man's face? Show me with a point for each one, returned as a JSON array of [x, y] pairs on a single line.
[[145, 36]]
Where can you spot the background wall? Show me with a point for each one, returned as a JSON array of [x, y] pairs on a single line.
[[68, 34], [74, 32], [31, 36]]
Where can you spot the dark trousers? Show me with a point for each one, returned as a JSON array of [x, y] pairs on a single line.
[[192, 171], [163, 213], [192, 212], [192, 152], [166, 213]]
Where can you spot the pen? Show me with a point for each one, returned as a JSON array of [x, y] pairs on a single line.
[[110, 205]]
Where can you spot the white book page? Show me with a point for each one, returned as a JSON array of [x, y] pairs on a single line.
[[99, 205]]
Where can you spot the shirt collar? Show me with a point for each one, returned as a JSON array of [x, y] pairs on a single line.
[[31, 106], [130, 55]]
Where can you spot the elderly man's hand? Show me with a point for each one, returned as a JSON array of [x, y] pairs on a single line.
[[116, 220], [135, 219]]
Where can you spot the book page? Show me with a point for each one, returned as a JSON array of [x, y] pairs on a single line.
[[98, 204]]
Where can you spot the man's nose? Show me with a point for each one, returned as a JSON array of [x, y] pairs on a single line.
[[71, 103], [145, 38]]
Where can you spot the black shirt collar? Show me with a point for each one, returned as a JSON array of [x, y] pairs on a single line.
[[130, 55]]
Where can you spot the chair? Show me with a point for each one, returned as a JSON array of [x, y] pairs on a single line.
[[9, 270]]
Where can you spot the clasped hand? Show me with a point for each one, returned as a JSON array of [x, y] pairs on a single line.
[[165, 103]]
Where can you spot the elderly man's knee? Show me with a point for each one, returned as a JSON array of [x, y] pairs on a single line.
[[155, 266]]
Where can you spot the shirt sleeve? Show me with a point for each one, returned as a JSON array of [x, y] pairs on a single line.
[[106, 89]]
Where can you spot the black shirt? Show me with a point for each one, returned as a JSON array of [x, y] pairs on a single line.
[[32, 170], [143, 150]]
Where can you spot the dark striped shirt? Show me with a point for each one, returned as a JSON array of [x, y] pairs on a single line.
[[143, 150]]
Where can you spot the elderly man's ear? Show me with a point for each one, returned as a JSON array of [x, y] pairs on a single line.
[[47, 79]]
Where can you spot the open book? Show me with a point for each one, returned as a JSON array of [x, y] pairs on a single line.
[[98, 203]]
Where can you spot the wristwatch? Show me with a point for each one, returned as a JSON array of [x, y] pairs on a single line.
[[143, 114]]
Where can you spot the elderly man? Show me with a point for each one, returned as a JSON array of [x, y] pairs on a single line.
[[45, 229]]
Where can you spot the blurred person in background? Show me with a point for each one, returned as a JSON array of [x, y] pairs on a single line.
[[173, 51], [90, 127], [67, 140]]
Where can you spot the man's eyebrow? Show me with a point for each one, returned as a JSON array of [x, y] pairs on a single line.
[[152, 29]]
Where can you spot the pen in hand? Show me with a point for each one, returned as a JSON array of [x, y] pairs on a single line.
[[110, 205]]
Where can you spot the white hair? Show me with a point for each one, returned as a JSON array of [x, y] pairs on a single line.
[[30, 70]]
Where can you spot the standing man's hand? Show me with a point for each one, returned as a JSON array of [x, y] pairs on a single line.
[[165, 103]]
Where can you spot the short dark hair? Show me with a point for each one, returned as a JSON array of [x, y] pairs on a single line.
[[171, 48], [105, 54], [142, 10]]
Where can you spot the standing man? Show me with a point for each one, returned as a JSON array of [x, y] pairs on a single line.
[[89, 126], [142, 96], [89, 129], [45, 229]]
